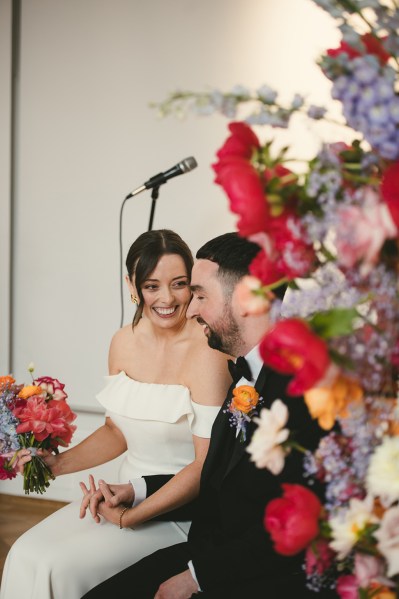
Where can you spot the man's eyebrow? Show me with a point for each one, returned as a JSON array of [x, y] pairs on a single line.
[[195, 288]]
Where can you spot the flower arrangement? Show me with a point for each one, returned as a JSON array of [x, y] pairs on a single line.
[[331, 233], [33, 417], [242, 408]]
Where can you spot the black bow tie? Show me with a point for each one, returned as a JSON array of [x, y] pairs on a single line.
[[239, 369]]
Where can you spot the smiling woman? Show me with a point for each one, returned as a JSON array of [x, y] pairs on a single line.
[[159, 412]]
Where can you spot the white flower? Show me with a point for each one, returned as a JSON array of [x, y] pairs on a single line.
[[382, 477], [265, 448], [348, 525], [388, 537]]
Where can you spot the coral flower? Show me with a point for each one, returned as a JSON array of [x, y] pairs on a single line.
[[292, 348], [44, 419], [326, 403]]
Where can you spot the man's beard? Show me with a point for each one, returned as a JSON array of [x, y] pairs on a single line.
[[226, 338]]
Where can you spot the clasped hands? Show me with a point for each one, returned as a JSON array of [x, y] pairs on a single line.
[[106, 500]]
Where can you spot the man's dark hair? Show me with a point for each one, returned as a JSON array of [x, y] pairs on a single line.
[[233, 254]]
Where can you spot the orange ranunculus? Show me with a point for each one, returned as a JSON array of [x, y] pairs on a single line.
[[326, 403], [244, 398], [5, 381], [381, 591], [29, 391]]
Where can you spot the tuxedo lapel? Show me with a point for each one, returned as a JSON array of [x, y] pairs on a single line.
[[219, 435], [239, 447]]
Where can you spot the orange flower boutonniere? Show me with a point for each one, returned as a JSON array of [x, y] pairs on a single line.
[[242, 408]]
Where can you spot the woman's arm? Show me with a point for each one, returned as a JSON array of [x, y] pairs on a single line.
[[184, 486], [105, 444]]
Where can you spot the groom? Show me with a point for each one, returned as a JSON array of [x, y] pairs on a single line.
[[228, 553]]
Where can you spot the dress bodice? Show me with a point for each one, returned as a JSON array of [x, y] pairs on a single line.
[[157, 421]]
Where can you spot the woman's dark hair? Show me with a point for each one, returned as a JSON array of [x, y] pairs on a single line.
[[144, 254]]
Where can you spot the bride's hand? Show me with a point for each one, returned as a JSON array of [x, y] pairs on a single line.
[[91, 498], [23, 456]]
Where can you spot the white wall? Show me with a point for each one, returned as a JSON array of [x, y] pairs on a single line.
[[86, 137], [5, 180]]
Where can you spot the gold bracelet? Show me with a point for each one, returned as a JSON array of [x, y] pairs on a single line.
[[120, 516]]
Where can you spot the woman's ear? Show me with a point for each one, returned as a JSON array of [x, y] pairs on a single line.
[[132, 290]]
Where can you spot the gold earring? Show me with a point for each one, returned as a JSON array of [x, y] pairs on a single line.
[[134, 299]]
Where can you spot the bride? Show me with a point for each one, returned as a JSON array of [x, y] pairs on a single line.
[[164, 389]]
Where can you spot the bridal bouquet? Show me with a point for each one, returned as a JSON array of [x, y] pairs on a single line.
[[330, 230], [33, 417]]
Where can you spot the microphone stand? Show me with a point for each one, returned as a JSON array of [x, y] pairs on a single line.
[[154, 197]]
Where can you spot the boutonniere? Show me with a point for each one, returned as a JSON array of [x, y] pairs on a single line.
[[242, 408]]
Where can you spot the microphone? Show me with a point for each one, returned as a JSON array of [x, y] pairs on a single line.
[[184, 166]]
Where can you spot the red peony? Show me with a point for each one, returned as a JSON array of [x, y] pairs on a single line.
[[292, 348], [390, 190], [240, 144], [244, 189], [292, 520]]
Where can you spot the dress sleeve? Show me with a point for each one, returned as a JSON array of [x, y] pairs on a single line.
[[202, 418]]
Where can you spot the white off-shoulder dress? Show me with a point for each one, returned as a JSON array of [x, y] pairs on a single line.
[[63, 556]]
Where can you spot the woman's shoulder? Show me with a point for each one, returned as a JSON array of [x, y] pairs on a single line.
[[207, 372]]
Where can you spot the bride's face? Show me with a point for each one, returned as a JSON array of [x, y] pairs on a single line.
[[166, 292]]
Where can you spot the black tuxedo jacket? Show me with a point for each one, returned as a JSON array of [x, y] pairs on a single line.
[[227, 540]]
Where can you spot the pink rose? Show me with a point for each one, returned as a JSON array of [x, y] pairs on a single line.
[[347, 587], [53, 387], [292, 520]]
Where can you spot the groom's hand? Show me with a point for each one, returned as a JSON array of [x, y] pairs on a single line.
[[181, 586], [116, 494]]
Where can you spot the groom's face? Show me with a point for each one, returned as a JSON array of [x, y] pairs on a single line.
[[211, 308]]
